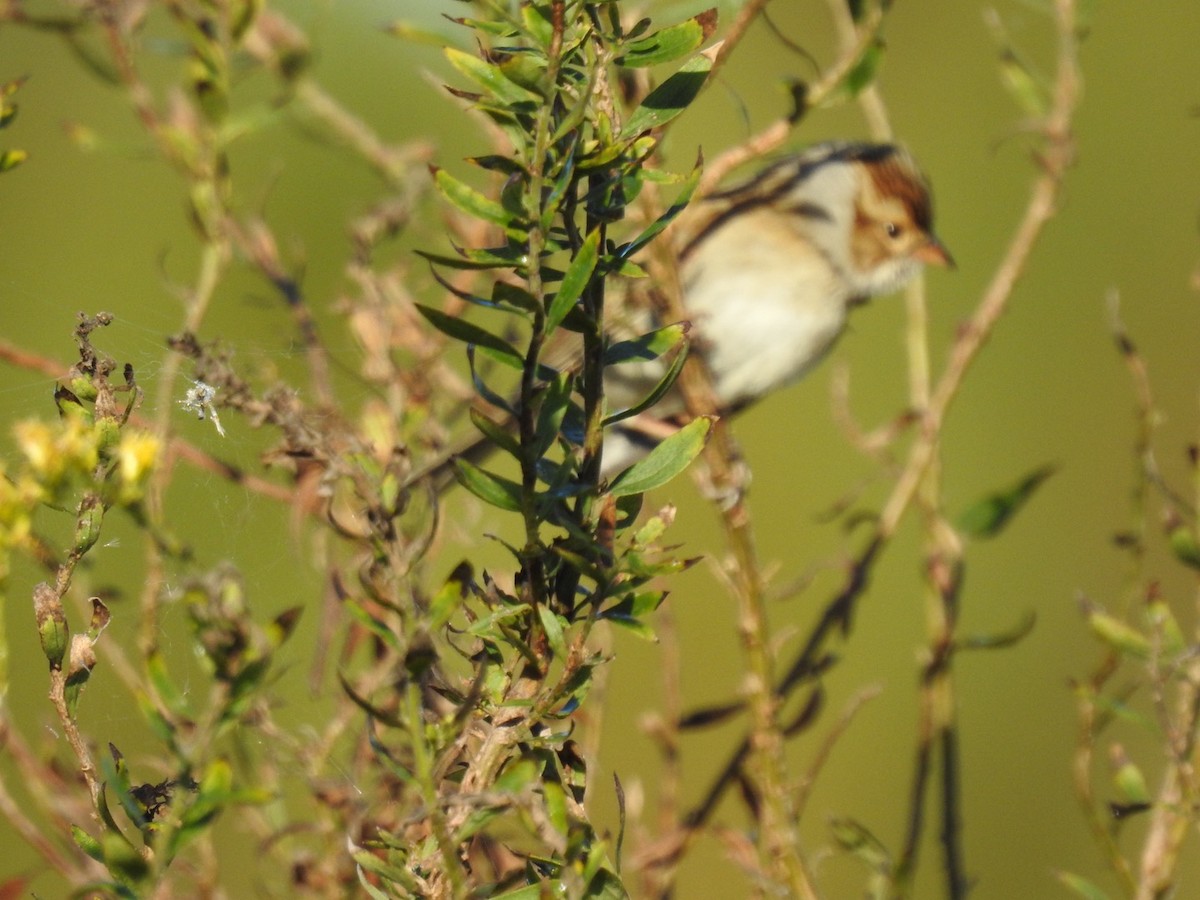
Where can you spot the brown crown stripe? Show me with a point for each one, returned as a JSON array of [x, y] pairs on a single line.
[[897, 176], [891, 170]]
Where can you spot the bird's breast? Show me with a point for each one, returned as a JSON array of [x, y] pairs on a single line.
[[765, 310]]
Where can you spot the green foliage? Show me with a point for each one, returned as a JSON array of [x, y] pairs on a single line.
[[989, 516], [454, 759]]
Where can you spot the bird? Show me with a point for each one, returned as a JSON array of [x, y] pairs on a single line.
[[770, 271]]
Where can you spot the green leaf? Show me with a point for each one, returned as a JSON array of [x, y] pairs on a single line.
[[506, 294], [670, 98], [1171, 639], [555, 799], [552, 626], [488, 487], [1119, 635], [670, 43], [482, 387], [493, 258], [575, 279], [518, 775], [10, 159], [486, 625], [449, 597], [164, 687], [988, 517], [859, 841], [1002, 639], [863, 72], [468, 333], [666, 460], [491, 78], [636, 606], [1183, 544], [534, 18], [648, 346], [1131, 783], [1028, 88], [124, 862], [555, 403], [87, 843], [636, 626], [496, 432], [395, 876], [659, 391], [656, 227], [415, 34], [1081, 886], [523, 66], [469, 200]]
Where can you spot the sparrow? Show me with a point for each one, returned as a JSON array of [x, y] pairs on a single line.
[[776, 264], [770, 271]]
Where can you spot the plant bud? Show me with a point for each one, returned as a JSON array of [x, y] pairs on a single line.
[[51, 624], [87, 524]]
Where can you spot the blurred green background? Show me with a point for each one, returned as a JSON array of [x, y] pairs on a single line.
[[106, 230]]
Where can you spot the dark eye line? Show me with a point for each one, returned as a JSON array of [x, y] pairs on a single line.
[[892, 229]]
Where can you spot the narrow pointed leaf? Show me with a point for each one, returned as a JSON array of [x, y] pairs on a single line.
[[468, 333], [655, 395], [648, 346], [466, 198], [575, 279], [555, 403], [489, 487], [1081, 886], [666, 460], [670, 98], [491, 78], [482, 388], [862, 73], [497, 433], [656, 227], [989, 516], [553, 629]]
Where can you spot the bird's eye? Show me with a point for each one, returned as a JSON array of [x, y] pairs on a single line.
[[893, 230]]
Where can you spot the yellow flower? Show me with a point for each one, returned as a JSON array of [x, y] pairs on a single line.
[[137, 454], [36, 441]]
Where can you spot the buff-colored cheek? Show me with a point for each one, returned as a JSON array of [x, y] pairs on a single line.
[[867, 250]]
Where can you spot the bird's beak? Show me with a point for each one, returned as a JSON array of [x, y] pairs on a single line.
[[933, 253]]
